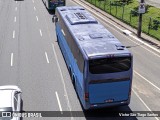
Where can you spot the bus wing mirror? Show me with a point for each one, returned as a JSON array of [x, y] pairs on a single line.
[[55, 19]]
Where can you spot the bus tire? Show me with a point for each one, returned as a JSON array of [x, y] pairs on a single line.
[[73, 80], [70, 72], [57, 38]]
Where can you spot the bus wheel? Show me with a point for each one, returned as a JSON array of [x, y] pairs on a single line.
[[57, 40], [70, 72], [73, 80]]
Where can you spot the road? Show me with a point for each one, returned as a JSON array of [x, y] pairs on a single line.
[[155, 3], [31, 58]]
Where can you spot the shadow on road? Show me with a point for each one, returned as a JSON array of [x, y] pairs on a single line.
[[21, 118], [51, 12], [109, 114]]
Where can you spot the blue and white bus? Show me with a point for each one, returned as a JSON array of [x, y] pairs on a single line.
[[52, 4], [99, 65]]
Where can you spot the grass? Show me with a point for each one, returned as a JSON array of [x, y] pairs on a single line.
[[123, 12]]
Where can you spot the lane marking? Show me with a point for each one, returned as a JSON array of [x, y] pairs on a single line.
[[144, 103], [34, 8], [132, 89], [11, 59], [147, 80], [146, 45], [100, 17], [144, 48], [33, 1], [62, 79], [16, 1], [59, 104], [16, 9], [135, 71], [15, 19], [60, 71], [129, 38], [13, 34], [37, 18], [40, 32], [46, 57]]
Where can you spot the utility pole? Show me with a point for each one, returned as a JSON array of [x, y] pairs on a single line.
[[140, 19]]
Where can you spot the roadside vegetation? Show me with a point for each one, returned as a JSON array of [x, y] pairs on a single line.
[[127, 11]]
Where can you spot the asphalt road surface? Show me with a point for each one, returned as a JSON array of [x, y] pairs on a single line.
[[155, 3], [31, 58]]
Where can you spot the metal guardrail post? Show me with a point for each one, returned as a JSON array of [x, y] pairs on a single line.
[[116, 10], [123, 12], [149, 25], [130, 17]]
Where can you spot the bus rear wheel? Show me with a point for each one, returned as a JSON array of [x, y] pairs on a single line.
[[73, 80]]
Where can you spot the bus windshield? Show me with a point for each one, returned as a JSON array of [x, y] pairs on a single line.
[[109, 65]]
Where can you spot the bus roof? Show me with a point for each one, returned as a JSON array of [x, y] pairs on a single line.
[[92, 37]]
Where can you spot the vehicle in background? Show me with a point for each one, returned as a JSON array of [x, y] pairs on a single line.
[[10, 101], [52, 4], [99, 65]]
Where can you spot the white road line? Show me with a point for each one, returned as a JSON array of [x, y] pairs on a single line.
[[145, 48], [11, 59], [131, 39], [37, 18], [60, 71], [15, 19], [147, 80], [14, 34], [62, 78], [16, 1], [144, 103], [33, 1], [59, 104], [15, 8], [47, 57], [34, 8], [146, 45], [100, 17], [40, 32]]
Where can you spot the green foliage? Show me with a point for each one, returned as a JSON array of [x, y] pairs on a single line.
[[134, 12], [155, 25], [126, 1], [117, 3], [127, 11]]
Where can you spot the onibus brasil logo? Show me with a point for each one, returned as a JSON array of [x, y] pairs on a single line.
[[20, 114]]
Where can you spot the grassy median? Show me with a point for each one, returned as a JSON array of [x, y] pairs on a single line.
[[127, 12]]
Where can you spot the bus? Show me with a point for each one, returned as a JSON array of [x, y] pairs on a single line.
[[52, 4], [99, 65]]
